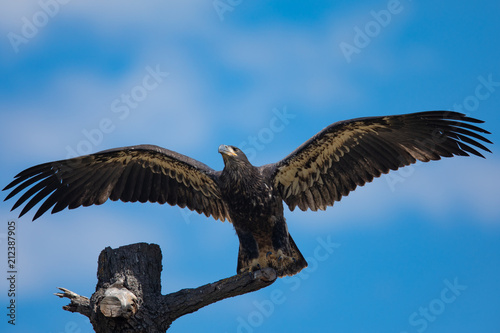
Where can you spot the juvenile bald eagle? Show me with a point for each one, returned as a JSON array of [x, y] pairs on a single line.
[[321, 171]]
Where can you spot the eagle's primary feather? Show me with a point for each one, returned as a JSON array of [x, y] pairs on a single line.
[[351, 153], [321, 171], [139, 173]]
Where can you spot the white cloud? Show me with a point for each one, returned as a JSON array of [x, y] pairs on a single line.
[[67, 245], [443, 189], [80, 102], [463, 184], [108, 14]]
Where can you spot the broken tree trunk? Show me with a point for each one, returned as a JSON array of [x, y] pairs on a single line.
[[128, 293]]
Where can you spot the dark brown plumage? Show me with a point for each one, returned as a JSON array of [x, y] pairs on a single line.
[[321, 171]]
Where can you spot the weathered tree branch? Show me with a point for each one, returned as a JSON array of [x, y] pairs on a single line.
[[80, 304], [128, 292]]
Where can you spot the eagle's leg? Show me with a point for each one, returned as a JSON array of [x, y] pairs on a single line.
[[248, 255], [282, 253]]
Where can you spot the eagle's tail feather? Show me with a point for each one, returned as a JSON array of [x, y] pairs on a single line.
[[286, 259], [294, 266]]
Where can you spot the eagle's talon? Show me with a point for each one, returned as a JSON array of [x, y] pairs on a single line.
[[269, 254]]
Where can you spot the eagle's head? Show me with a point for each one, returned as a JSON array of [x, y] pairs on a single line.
[[233, 156], [238, 171]]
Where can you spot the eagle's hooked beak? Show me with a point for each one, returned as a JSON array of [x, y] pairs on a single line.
[[227, 150]]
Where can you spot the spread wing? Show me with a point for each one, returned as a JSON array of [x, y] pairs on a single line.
[[351, 153], [138, 173]]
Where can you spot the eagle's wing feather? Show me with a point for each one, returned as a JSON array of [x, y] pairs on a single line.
[[351, 153], [138, 173]]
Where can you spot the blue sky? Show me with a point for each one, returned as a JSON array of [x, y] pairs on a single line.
[[415, 251]]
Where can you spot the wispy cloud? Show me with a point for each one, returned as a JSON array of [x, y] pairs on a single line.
[[436, 188]]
